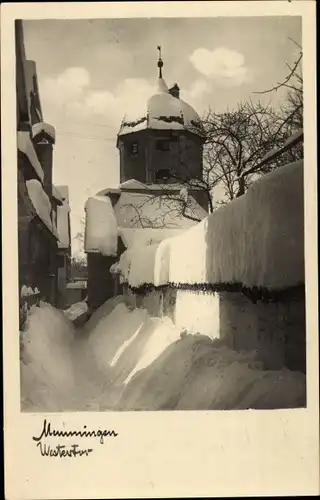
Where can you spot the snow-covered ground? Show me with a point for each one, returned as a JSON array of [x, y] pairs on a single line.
[[125, 359]]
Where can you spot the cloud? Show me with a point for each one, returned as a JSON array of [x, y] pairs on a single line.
[[70, 95], [221, 64]]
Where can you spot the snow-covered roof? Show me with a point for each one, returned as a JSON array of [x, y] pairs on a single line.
[[26, 147], [63, 225], [101, 231], [105, 192], [79, 285], [138, 210], [162, 111], [43, 128], [41, 203]]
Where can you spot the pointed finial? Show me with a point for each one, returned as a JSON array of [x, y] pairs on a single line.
[[160, 62]]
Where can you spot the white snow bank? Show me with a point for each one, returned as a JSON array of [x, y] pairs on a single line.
[[102, 312], [101, 232], [127, 360], [197, 373], [110, 334], [47, 376], [76, 310], [41, 203], [256, 240]]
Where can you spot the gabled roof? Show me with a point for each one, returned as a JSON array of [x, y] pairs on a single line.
[[134, 185], [139, 210]]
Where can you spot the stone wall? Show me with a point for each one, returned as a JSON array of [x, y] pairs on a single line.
[[277, 330]]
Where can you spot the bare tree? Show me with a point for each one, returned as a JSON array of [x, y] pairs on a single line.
[[292, 107], [236, 142]]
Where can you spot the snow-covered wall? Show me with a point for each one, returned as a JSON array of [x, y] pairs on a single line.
[[101, 233], [256, 241]]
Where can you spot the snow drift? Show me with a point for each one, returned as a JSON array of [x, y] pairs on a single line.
[[47, 375], [127, 360]]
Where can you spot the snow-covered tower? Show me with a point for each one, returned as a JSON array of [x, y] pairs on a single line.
[[160, 154], [164, 141]]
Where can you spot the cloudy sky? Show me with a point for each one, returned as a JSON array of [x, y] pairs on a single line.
[[92, 71]]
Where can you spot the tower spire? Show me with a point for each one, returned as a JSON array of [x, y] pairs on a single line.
[[160, 62]]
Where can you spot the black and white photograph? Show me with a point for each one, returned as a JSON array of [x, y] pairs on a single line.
[[162, 210], [160, 203]]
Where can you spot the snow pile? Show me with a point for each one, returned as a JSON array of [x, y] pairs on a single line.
[[76, 310], [101, 233], [127, 360], [197, 373], [102, 312], [47, 376], [111, 333], [41, 203], [63, 212]]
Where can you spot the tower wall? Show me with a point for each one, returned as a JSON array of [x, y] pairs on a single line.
[[183, 158]]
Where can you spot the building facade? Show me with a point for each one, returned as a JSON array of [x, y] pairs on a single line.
[[38, 200]]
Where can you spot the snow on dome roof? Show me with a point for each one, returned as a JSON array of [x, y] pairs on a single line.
[[163, 111]]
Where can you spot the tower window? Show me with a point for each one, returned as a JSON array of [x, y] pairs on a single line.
[[162, 145], [134, 148], [162, 175]]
